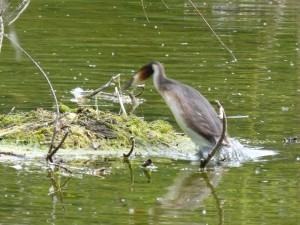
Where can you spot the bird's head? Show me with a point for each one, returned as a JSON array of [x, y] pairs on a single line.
[[144, 73]]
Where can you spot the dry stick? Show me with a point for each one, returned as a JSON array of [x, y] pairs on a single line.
[[214, 33], [218, 145], [120, 101], [101, 88], [50, 85], [132, 148], [221, 109], [51, 154]]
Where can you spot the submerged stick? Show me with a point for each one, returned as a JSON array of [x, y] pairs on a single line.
[[132, 148], [217, 147]]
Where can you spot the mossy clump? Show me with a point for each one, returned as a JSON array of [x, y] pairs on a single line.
[[87, 129]]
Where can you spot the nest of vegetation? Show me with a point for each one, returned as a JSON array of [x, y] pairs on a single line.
[[87, 129]]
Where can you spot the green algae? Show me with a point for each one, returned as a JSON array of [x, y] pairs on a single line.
[[87, 129]]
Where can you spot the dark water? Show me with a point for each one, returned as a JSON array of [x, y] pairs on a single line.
[[83, 44]]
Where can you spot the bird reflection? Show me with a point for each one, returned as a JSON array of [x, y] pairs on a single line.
[[189, 191]]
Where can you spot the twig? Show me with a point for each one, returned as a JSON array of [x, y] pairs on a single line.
[[216, 148], [11, 154], [51, 154], [132, 148], [214, 33], [120, 101], [50, 85], [102, 88], [221, 109]]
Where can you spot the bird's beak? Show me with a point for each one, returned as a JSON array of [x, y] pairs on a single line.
[[129, 84], [136, 79]]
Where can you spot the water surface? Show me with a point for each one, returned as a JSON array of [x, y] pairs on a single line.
[[85, 44]]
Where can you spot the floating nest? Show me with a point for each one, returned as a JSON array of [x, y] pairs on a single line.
[[87, 129]]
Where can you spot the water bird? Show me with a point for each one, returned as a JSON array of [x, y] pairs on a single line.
[[192, 111]]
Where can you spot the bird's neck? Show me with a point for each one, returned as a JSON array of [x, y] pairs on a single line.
[[159, 78]]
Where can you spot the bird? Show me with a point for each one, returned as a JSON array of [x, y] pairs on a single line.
[[192, 111]]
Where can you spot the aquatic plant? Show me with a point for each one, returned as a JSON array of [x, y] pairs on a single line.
[[87, 129]]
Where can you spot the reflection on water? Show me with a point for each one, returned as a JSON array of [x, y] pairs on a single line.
[[84, 46], [190, 189], [174, 191]]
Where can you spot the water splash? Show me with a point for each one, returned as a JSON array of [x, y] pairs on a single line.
[[237, 153]]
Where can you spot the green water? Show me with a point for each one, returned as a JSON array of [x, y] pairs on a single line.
[[83, 44]]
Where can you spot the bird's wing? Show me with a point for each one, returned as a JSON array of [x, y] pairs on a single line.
[[198, 113]]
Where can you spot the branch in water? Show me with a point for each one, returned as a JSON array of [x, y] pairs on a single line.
[[217, 147], [102, 88], [132, 148], [51, 154], [50, 85]]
